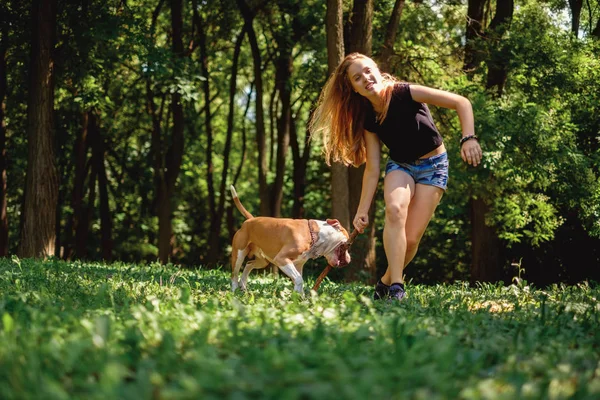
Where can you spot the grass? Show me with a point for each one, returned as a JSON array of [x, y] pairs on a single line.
[[120, 331]]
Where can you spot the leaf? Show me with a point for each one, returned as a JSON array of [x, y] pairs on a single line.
[[7, 322]]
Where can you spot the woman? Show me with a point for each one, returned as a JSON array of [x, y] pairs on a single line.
[[360, 108]]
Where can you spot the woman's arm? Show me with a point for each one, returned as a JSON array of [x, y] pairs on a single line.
[[369, 182], [470, 150]]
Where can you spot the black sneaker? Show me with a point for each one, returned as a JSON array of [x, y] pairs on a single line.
[[382, 291], [397, 292]]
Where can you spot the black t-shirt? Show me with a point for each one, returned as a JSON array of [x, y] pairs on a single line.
[[408, 130]]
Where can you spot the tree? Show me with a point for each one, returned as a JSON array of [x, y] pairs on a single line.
[[38, 227], [360, 40], [486, 246], [387, 50], [575, 6], [265, 201], [3, 91], [497, 64], [340, 207], [474, 31]]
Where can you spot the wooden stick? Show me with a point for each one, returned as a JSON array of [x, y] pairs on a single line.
[[320, 278], [323, 274]]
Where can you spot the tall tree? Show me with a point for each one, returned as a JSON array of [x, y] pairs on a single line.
[[167, 164], [215, 217], [497, 65], [595, 32], [360, 40], [387, 51], [335, 54], [3, 89], [265, 202], [228, 139], [80, 150], [292, 33], [486, 246], [285, 39], [475, 12], [99, 164], [575, 6], [38, 228]]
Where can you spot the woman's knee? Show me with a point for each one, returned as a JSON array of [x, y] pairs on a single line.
[[396, 212]]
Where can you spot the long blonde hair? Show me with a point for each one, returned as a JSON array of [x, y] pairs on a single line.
[[339, 116]]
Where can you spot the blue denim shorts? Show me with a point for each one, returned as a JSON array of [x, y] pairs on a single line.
[[431, 171]]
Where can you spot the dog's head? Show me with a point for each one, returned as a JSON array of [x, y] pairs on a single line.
[[339, 257]]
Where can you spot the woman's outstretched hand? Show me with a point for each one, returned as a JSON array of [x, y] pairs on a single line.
[[471, 153]]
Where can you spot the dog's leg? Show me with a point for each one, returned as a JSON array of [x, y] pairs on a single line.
[[299, 264], [237, 259], [240, 248], [257, 263], [291, 271]]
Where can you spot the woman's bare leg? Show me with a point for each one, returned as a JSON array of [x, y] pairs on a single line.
[[398, 189], [420, 209]]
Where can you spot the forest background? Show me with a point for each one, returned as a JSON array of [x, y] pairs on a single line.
[[123, 123]]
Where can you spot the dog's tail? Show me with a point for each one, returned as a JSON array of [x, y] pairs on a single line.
[[238, 203]]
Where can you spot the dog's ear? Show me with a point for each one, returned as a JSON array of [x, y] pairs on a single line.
[[334, 222]]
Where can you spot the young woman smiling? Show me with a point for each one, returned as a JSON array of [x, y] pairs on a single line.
[[360, 109]]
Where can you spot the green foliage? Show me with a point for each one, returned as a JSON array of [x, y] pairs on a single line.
[[539, 155], [88, 330], [540, 138]]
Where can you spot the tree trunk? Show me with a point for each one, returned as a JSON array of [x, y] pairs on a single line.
[[230, 219], [340, 195], [283, 73], [230, 126], [363, 248], [497, 66], [361, 28], [300, 164], [172, 162], [475, 12], [98, 164], [485, 266], [575, 6], [263, 190], [215, 220], [3, 182], [485, 244], [596, 32], [390, 36], [80, 150], [38, 230], [83, 226]]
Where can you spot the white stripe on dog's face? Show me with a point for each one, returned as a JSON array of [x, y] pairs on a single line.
[[330, 234], [329, 239]]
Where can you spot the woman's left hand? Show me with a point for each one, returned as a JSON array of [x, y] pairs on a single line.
[[471, 153]]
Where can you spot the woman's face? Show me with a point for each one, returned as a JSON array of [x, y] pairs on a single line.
[[364, 77]]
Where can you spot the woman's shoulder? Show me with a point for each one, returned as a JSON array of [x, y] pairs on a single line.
[[402, 90]]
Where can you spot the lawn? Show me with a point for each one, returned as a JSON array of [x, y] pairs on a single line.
[[123, 331]]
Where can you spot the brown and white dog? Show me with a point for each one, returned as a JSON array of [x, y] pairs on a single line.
[[285, 242]]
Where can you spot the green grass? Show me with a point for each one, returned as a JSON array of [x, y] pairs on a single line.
[[120, 331]]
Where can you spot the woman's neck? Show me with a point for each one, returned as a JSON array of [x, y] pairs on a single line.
[[377, 101]]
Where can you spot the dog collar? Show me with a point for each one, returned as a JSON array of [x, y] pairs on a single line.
[[313, 235]]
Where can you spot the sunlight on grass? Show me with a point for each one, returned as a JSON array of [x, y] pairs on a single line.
[[88, 330], [492, 306]]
